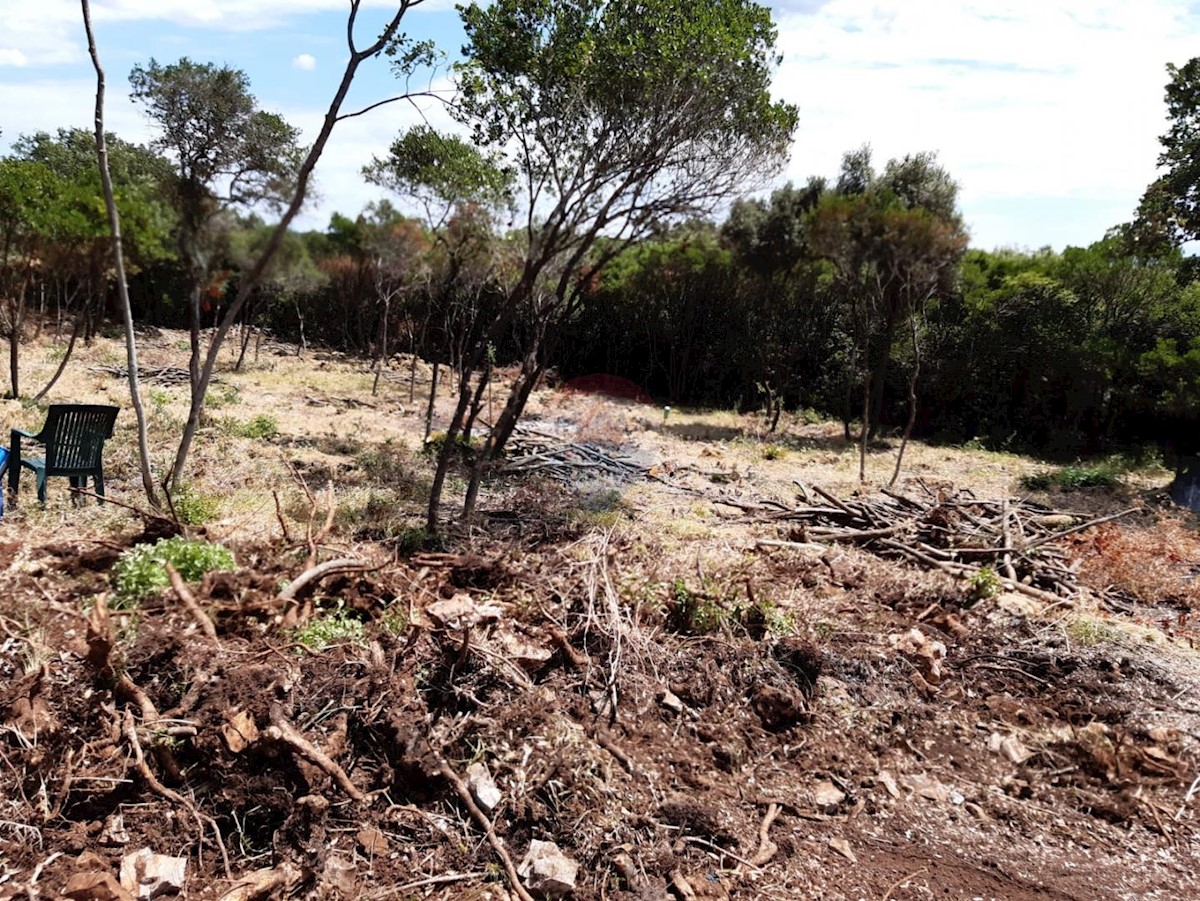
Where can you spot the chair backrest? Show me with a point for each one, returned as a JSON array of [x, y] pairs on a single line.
[[75, 434]]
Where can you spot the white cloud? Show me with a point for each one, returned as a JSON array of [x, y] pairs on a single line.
[[1050, 100], [305, 61], [11, 56]]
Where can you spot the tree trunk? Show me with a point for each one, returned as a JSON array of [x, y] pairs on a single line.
[[75, 330], [433, 386], [863, 436], [114, 223], [333, 115], [912, 402]]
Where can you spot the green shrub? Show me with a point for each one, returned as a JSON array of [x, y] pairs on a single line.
[[773, 452], [141, 571], [262, 427], [223, 397], [193, 508], [985, 584]]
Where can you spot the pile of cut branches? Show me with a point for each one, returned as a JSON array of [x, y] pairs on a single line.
[[959, 534], [530, 451]]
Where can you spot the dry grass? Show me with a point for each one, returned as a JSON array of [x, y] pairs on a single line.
[[1157, 565]]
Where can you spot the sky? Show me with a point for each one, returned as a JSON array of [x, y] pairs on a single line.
[[1046, 112]]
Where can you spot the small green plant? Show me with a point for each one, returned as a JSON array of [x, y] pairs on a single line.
[[329, 628], [1105, 474], [395, 618], [224, 397], [773, 452], [262, 427], [142, 571], [193, 508], [697, 612], [1089, 632], [985, 584], [55, 353]]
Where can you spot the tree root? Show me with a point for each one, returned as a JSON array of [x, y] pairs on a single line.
[[189, 601], [281, 730], [481, 818], [766, 848], [139, 762]]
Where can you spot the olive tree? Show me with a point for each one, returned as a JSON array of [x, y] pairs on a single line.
[[615, 116]]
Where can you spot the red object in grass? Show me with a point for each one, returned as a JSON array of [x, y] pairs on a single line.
[[610, 386]]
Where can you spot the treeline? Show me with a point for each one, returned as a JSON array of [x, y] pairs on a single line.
[[844, 295]]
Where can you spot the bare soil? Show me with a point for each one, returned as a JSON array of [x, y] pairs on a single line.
[[683, 712]]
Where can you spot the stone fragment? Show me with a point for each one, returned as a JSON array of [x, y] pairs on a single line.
[[372, 841], [342, 875], [670, 701], [843, 848], [239, 730], [145, 874], [548, 872], [828, 796], [483, 788], [461, 612], [888, 781], [95, 886]]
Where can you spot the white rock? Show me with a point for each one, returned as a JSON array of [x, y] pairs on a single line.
[[145, 874], [827, 795], [547, 871], [483, 788]]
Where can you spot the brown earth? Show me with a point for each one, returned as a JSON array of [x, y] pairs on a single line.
[[684, 713]]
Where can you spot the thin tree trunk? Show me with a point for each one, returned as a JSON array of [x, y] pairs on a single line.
[[75, 330], [356, 58], [383, 347], [862, 440], [433, 386], [912, 402], [14, 343], [114, 224]]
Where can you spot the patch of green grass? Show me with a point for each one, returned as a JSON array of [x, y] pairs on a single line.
[[1088, 633], [1072, 478], [192, 507], [225, 396], [142, 571], [336, 626], [262, 427], [773, 452], [395, 618]]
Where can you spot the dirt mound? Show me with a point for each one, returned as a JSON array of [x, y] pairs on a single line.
[[610, 386], [499, 724]]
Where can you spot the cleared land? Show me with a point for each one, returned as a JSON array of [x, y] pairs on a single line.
[[685, 711]]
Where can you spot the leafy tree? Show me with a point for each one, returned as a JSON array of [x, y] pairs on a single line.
[[1170, 209], [407, 58], [226, 152], [615, 116]]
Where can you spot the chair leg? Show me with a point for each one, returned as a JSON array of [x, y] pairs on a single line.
[[41, 487], [14, 475], [98, 478], [75, 496]]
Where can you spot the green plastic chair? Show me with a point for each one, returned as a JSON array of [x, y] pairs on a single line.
[[74, 436]]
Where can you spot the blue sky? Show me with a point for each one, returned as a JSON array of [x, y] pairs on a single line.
[[1047, 112]]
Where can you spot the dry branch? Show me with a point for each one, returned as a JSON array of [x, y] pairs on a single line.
[[283, 731], [497, 843]]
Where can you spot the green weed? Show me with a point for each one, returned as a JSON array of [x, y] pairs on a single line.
[[141, 571], [262, 427], [193, 508], [329, 628], [985, 584]]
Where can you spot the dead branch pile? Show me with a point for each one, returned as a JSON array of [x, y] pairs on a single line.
[[530, 451], [161, 375], [958, 534]]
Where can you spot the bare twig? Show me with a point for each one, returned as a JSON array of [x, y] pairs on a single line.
[[766, 848], [189, 602], [320, 571], [139, 760], [281, 730], [497, 843]]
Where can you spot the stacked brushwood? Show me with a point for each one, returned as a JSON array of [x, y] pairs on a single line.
[[532, 452], [959, 534], [159, 375]]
